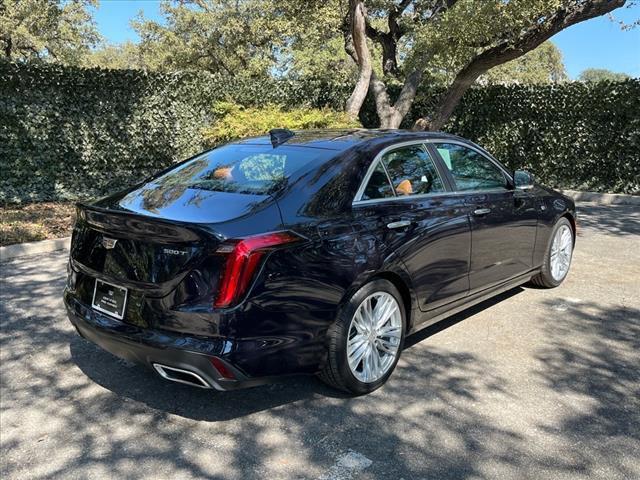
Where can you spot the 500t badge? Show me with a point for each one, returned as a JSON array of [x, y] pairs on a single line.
[[171, 251]]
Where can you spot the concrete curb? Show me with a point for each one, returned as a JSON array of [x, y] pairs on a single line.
[[34, 248], [603, 198]]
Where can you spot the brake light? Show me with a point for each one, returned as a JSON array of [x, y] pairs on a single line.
[[243, 259]]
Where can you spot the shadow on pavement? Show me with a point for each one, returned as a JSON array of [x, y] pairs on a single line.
[[593, 356], [126, 379], [444, 413], [459, 317], [609, 219]]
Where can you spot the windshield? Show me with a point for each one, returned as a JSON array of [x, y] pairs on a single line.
[[253, 169]]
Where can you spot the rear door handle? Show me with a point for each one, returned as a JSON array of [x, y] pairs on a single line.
[[481, 211], [399, 224]]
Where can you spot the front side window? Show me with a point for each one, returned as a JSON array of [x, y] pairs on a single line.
[[412, 171], [470, 169]]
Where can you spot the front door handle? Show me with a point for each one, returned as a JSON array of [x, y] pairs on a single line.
[[481, 211], [399, 224]]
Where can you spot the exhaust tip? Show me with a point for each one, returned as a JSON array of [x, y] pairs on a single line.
[[180, 375]]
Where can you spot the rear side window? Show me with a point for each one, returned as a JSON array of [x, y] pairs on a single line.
[[412, 171], [401, 172], [470, 169], [378, 185], [253, 169]]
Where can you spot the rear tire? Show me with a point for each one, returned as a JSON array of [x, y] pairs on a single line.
[[557, 259], [365, 342]]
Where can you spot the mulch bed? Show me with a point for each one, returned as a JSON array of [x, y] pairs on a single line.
[[35, 221]]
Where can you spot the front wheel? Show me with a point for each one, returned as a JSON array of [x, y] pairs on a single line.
[[558, 256], [365, 342]]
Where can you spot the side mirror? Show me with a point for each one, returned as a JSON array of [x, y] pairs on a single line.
[[523, 180]]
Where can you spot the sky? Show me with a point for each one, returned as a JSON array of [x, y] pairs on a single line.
[[596, 43]]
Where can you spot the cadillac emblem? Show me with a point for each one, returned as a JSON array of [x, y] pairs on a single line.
[[109, 243]]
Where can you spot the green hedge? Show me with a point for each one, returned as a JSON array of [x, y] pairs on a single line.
[[68, 133], [584, 136]]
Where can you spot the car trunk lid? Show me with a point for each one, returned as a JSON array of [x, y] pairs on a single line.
[[149, 255]]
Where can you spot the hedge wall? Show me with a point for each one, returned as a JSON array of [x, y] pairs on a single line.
[[582, 136], [72, 133]]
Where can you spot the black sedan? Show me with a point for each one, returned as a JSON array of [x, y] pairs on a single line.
[[307, 252]]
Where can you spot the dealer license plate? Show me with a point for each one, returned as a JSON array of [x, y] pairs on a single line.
[[110, 299]]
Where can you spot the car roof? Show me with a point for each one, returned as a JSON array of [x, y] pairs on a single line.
[[344, 139]]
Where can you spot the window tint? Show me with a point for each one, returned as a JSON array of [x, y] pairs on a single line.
[[471, 170], [378, 186], [239, 169], [412, 171]]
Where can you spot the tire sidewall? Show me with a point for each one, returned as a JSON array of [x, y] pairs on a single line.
[[343, 324]]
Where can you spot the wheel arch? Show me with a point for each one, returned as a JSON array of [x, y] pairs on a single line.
[[405, 292], [394, 272], [574, 226]]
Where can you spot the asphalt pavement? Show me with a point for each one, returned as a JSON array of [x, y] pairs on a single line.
[[533, 384]]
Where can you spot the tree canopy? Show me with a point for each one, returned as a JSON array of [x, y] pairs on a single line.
[[121, 56], [460, 40], [47, 30], [541, 65], [381, 46], [233, 37], [601, 74]]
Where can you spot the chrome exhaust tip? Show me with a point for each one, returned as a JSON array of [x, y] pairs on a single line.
[[180, 375]]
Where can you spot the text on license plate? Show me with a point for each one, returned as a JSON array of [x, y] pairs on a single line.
[[110, 299]]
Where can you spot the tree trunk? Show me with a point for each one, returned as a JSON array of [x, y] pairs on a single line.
[[362, 57], [449, 101], [391, 116], [384, 109], [356, 29]]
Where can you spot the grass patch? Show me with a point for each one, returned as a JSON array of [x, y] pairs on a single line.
[[35, 221]]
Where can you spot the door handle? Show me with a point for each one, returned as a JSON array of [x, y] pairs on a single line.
[[399, 224], [481, 211]]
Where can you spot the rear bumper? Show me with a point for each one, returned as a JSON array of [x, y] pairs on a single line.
[[152, 347]]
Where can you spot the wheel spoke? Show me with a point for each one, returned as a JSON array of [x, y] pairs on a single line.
[[390, 331], [386, 346], [380, 313], [359, 322], [369, 312], [356, 340], [376, 363], [390, 309], [367, 367], [357, 355]]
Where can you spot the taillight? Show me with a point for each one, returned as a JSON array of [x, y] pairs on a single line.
[[243, 259]]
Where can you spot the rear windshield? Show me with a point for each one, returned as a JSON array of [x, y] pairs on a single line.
[[254, 169]]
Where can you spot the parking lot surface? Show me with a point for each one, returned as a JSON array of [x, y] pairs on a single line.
[[534, 384]]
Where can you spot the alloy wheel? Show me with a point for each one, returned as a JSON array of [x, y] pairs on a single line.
[[561, 251], [374, 338]]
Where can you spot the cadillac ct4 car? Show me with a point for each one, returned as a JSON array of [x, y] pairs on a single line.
[[311, 252]]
